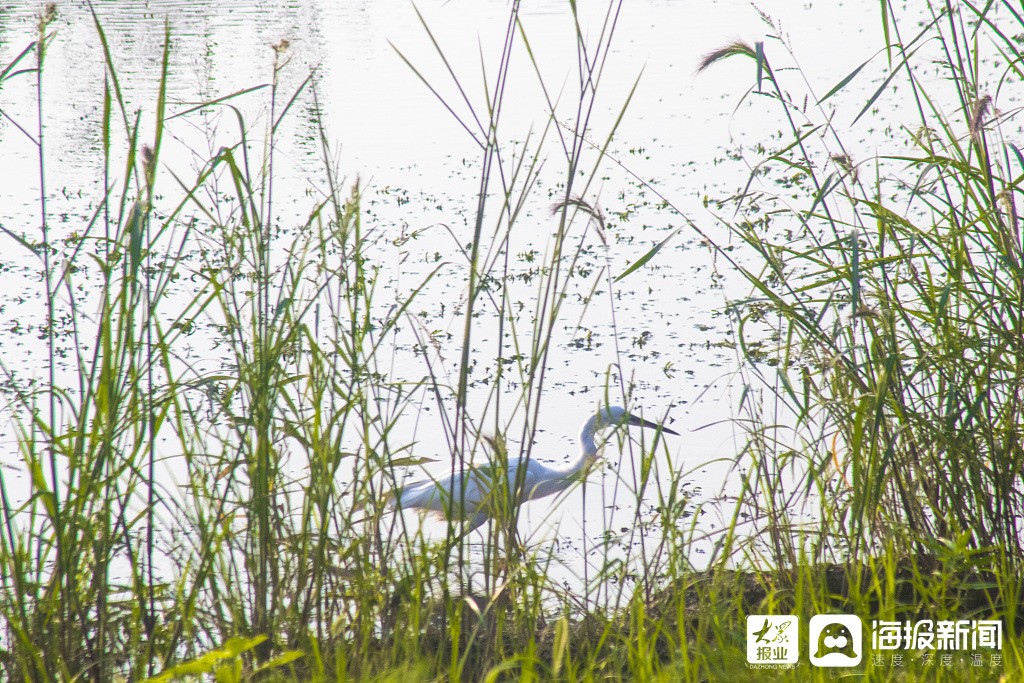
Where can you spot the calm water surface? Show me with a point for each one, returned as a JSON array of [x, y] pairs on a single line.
[[420, 170]]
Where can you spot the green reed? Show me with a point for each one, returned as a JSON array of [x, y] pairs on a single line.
[[883, 321]]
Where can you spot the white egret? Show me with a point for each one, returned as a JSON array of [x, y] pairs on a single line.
[[446, 494]]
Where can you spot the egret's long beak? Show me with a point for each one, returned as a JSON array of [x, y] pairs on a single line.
[[639, 422]]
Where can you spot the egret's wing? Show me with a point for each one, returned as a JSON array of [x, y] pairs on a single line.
[[439, 494], [544, 480], [425, 493]]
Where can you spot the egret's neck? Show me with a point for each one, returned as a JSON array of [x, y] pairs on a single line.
[[588, 447]]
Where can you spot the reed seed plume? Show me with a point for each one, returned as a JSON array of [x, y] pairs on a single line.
[[47, 16], [844, 162], [1009, 204], [587, 208], [977, 123], [737, 47]]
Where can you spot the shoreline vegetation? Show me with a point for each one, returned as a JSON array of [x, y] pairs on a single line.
[[885, 318]]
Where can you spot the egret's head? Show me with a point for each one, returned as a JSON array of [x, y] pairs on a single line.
[[612, 416]]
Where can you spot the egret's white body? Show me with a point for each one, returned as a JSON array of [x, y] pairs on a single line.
[[446, 494]]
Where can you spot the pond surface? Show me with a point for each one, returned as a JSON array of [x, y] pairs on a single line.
[[665, 329]]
